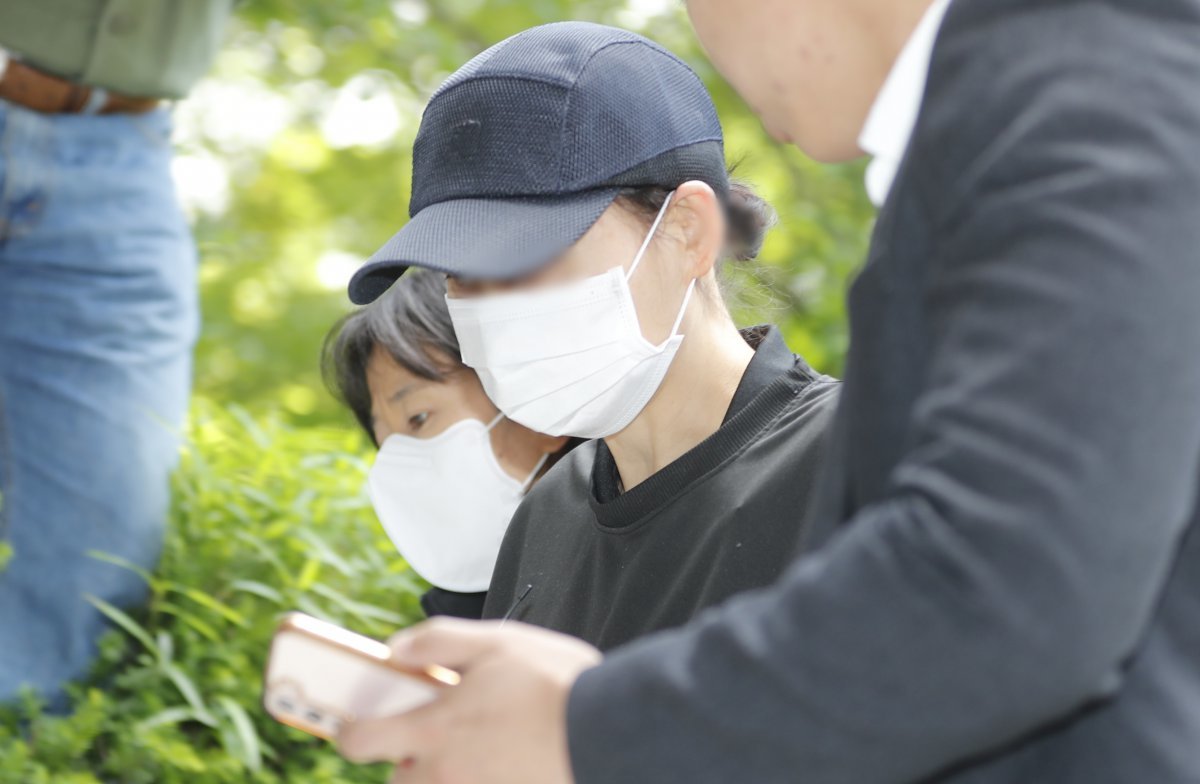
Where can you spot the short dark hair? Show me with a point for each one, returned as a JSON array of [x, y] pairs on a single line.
[[748, 218], [748, 215], [410, 322]]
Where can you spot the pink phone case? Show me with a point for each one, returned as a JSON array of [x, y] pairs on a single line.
[[320, 675]]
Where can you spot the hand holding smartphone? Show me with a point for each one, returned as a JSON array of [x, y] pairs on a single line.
[[320, 676]]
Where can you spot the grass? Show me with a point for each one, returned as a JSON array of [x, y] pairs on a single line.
[[266, 519]]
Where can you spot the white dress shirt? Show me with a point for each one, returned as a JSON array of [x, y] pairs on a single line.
[[889, 125]]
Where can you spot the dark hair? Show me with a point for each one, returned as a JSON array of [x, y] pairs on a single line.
[[748, 219], [748, 216], [410, 322]]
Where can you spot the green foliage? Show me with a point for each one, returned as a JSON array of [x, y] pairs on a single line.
[[267, 518]]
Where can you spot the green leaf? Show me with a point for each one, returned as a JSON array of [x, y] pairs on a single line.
[[174, 715], [203, 599], [251, 753], [326, 553], [359, 609], [187, 689], [165, 644], [125, 622], [202, 627], [117, 560], [250, 426], [258, 589], [308, 575]]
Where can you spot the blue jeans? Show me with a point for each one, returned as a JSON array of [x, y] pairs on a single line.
[[98, 317]]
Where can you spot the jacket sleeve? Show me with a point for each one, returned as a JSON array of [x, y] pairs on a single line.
[[1029, 529]]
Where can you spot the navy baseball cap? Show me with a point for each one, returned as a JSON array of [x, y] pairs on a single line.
[[524, 147]]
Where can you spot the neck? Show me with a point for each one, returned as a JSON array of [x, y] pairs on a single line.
[[689, 406]]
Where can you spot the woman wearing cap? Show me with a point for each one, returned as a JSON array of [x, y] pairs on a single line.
[[450, 469], [571, 183]]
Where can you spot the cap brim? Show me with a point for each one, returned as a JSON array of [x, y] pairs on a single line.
[[482, 239]]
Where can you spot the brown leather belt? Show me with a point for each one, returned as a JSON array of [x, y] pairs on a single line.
[[26, 86]]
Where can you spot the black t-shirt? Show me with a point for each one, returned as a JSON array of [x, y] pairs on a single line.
[[727, 516], [439, 601]]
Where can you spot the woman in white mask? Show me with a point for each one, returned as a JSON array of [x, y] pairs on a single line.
[[571, 182], [451, 469]]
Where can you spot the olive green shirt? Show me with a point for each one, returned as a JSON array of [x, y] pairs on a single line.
[[147, 48]]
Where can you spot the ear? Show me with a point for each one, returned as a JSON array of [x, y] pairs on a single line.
[[698, 221]]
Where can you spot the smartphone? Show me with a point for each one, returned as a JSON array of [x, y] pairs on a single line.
[[320, 676]]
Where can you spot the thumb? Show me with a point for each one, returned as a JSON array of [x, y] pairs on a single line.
[[444, 642]]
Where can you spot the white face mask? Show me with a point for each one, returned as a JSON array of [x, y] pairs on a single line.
[[446, 502], [567, 360]]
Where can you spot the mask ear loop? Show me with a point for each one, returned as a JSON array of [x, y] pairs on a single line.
[[646, 242], [536, 469], [687, 297]]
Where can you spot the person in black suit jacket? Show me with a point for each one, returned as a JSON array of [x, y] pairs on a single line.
[[1005, 585]]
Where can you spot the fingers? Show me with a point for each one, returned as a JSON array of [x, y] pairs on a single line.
[[446, 642], [391, 739]]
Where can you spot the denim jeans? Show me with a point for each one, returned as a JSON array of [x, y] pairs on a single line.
[[98, 317]]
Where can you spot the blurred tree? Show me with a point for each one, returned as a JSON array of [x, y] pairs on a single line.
[[295, 162]]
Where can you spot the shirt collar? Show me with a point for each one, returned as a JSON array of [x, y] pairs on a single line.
[[772, 358], [889, 125]]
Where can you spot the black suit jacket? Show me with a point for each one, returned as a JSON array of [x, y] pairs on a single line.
[[1005, 582]]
